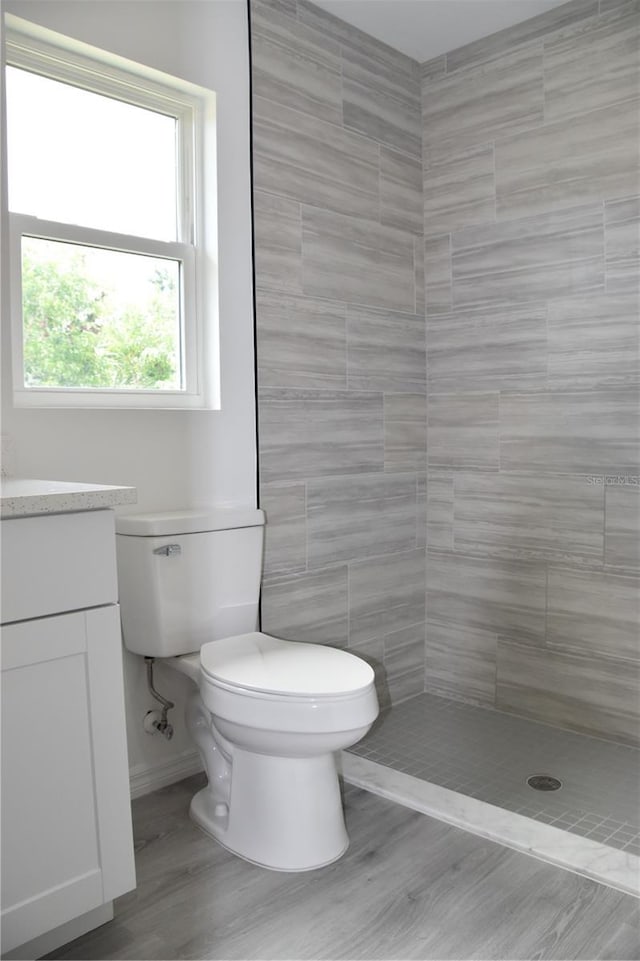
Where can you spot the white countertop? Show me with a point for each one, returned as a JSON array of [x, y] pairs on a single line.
[[22, 497]]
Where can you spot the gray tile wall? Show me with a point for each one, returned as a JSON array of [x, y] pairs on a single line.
[[532, 225], [496, 188], [340, 338]]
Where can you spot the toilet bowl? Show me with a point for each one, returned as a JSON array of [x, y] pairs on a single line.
[[267, 718], [267, 715]]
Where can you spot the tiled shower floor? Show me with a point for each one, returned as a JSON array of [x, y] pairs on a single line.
[[488, 755]]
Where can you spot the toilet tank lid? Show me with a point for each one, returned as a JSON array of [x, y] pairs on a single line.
[[166, 523]]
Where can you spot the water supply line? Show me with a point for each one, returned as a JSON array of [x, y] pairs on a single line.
[[152, 721]]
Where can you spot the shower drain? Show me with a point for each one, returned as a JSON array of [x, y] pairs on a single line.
[[544, 782]]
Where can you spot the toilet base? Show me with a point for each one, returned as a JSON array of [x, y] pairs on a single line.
[[284, 813]]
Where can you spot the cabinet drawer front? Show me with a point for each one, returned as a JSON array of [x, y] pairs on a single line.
[[57, 563]]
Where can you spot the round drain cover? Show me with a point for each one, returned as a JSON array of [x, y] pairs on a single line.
[[544, 782]]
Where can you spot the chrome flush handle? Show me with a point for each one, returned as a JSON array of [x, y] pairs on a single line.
[[168, 550]]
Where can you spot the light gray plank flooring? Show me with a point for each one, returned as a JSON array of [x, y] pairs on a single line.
[[409, 887]]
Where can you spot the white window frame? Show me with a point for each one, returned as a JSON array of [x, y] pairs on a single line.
[[59, 58]]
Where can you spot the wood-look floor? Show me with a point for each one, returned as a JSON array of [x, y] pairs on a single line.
[[408, 887]]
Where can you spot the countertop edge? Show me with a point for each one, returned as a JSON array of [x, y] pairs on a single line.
[[68, 501]]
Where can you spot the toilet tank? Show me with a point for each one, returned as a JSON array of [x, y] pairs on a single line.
[[188, 577]]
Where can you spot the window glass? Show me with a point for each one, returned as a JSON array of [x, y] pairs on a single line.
[[83, 158], [97, 318]]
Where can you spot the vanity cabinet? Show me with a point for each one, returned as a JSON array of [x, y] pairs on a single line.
[[67, 847]]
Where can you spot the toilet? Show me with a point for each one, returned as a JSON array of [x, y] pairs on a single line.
[[267, 715]]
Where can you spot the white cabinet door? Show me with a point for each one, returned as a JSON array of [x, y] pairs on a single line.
[[66, 822]]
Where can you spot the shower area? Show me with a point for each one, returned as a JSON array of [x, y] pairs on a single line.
[[447, 300]]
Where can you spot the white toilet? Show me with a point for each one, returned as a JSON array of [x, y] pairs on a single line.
[[267, 714]]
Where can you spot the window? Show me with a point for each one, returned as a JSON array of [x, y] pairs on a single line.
[[105, 164]]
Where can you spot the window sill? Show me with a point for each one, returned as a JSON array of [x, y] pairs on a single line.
[[36, 398]]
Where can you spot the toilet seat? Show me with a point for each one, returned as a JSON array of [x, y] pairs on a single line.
[[259, 664]]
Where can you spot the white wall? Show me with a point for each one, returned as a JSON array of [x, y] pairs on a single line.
[[174, 458]]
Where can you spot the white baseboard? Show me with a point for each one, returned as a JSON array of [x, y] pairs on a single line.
[[144, 779]]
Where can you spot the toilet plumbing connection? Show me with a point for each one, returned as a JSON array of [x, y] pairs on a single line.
[[156, 722]]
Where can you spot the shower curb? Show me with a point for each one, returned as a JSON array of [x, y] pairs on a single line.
[[610, 866]]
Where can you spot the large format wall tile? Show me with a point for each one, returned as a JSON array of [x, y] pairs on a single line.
[[623, 7], [434, 68], [460, 661], [340, 329], [385, 71], [294, 65], [437, 272], [532, 368], [310, 433], [308, 160], [401, 191], [385, 350], [594, 342], [350, 518], [474, 107], [486, 594], [622, 245], [418, 270], [381, 100], [487, 348], [594, 613], [421, 509], [566, 164], [265, 10], [357, 260], [552, 255], [580, 432], [439, 503], [528, 31], [301, 342], [528, 516], [404, 662], [375, 114], [531, 290], [405, 432], [459, 190], [386, 597], [462, 430], [383, 60], [595, 67], [285, 532], [278, 241], [593, 694], [622, 524], [307, 607]]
